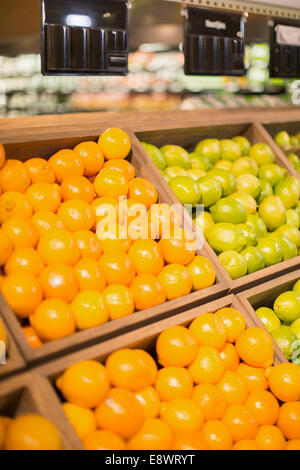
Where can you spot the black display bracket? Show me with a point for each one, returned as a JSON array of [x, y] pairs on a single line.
[[284, 57]]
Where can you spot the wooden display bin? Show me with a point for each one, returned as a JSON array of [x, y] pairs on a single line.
[[31, 393], [293, 128], [46, 147], [14, 360], [188, 138]]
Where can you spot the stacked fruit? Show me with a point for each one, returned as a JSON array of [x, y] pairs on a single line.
[[59, 272], [283, 322], [252, 208], [28, 432], [216, 389], [289, 143]]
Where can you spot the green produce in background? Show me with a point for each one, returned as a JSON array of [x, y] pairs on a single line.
[[176, 156], [210, 148], [247, 232], [223, 165], [249, 184], [243, 143], [195, 173], [271, 249], [266, 191], [243, 166], [287, 306], [228, 210], [271, 173], [226, 180], [268, 318], [273, 212], [225, 237], [173, 171], [210, 190], [246, 200], [288, 191], [200, 162], [262, 154], [282, 139], [156, 155], [230, 150], [186, 189], [286, 340]]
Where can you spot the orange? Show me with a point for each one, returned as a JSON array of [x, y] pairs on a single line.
[[14, 204], [84, 383], [173, 382], [6, 247], [216, 435], [133, 369], [103, 440], [53, 320], [90, 275], [177, 249], [45, 220], [147, 291], [77, 187], [24, 260], [162, 219], [149, 400], [2, 155], [113, 237], [89, 309], [255, 347], [293, 444], [14, 176], [23, 293], [210, 401], [208, 331], [188, 440], [117, 267], [88, 244], [82, 420], [289, 420], [76, 215], [120, 412], [105, 208], [40, 171], [284, 380], [58, 281], [270, 438], [202, 272], [114, 143], [233, 321], [58, 246], [176, 281], [233, 388], [253, 377], [31, 336], [119, 300], [44, 197], [143, 191], [129, 210], [176, 347], [21, 232], [147, 257], [123, 166], [154, 434], [92, 157], [246, 444], [66, 163], [264, 407], [183, 414], [208, 367], [111, 183], [240, 422], [230, 357]]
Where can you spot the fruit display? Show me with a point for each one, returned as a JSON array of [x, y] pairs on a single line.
[[211, 385], [291, 146], [282, 319], [251, 205]]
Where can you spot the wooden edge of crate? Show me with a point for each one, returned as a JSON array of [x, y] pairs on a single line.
[[37, 396], [14, 360]]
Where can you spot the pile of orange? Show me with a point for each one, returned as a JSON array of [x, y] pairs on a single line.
[[213, 386], [59, 271]]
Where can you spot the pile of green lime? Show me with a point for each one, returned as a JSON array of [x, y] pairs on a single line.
[[283, 322], [288, 142], [252, 208]]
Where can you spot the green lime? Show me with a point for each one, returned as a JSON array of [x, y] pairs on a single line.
[[282, 139], [262, 154], [273, 213], [289, 232], [266, 190], [254, 258], [296, 286], [204, 222], [294, 141], [287, 306], [230, 150], [271, 173], [186, 189], [173, 171], [271, 250], [258, 224], [176, 156], [295, 327], [288, 191], [268, 317], [243, 166], [298, 137], [210, 190], [243, 143], [211, 148], [195, 173], [165, 175], [292, 218], [249, 184], [223, 165], [294, 159], [289, 249], [234, 264], [228, 210], [246, 200], [224, 237], [286, 339], [156, 155], [248, 233], [226, 180], [200, 162]]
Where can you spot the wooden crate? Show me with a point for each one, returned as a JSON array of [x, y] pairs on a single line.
[[14, 360], [31, 393], [188, 138], [143, 166], [292, 127]]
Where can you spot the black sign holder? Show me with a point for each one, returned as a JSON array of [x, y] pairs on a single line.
[[284, 56]]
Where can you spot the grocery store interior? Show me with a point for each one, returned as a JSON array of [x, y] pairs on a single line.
[[149, 227]]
